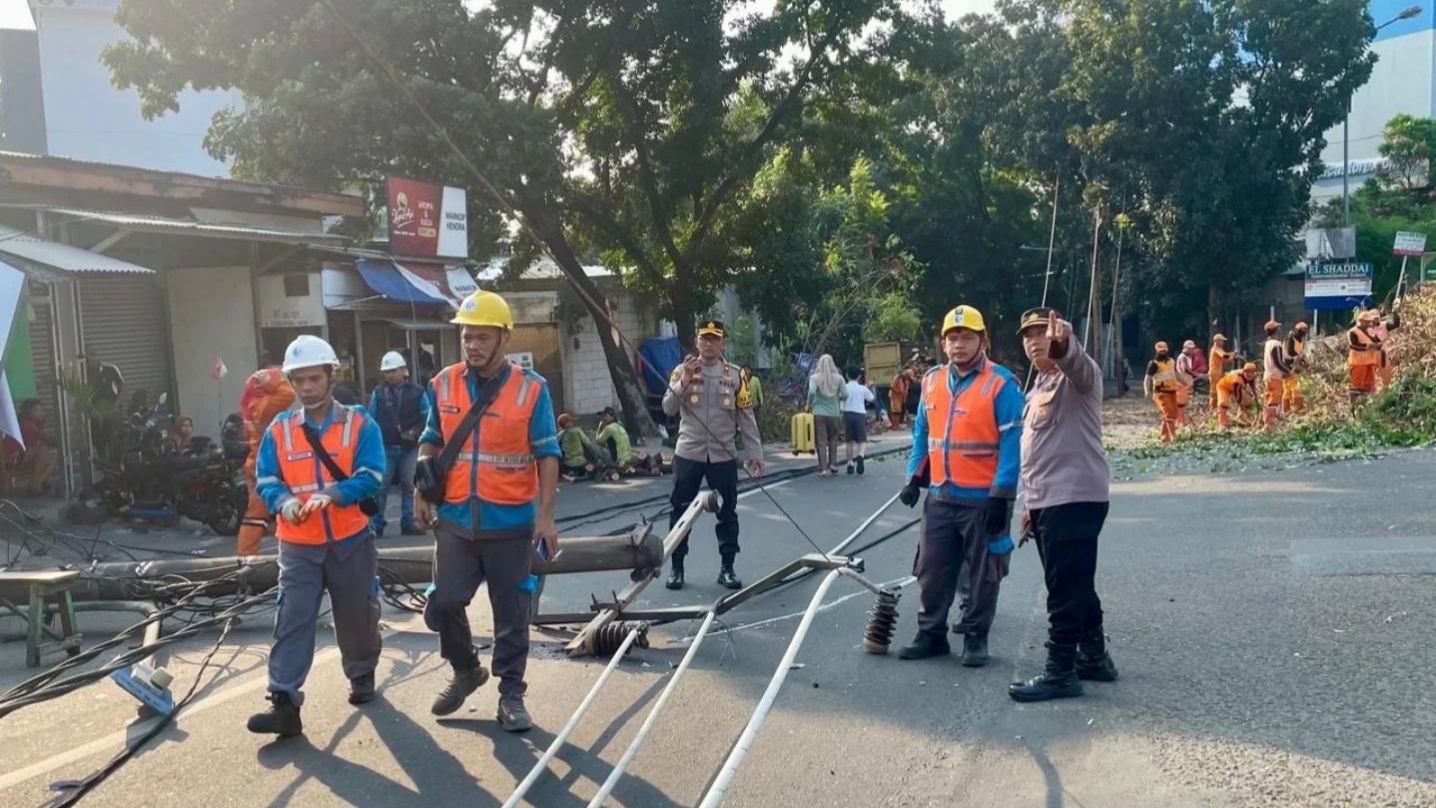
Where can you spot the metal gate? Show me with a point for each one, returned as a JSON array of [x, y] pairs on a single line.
[[42, 355], [542, 340], [122, 321]]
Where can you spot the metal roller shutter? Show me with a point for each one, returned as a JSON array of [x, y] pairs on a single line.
[[123, 322], [42, 354]]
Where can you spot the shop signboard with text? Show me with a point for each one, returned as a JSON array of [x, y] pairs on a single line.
[[1338, 285], [427, 220]]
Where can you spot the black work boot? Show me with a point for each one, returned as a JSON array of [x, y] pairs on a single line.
[[361, 689], [974, 651], [675, 576], [1057, 681], [513, 716], [464, 682], [1093, 662], [862, 465], [282, 717], [925, 646], [727, 578]]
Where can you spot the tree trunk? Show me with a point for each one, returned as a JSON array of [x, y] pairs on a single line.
[[631, 394], [1214, 307]]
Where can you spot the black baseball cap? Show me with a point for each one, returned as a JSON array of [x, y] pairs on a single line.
[[714, 327], [1031, 317]]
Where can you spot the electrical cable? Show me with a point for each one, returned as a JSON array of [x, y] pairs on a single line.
[[114, 764], [596, 310]]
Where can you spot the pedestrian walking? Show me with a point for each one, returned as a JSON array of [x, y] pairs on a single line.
[[489, 494], [965, 445], [826, 391], [716, 408], [317, 467], [401, 409], [855, 421], [1064, 503]]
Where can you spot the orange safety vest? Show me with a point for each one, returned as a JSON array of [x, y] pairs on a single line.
[[1165, 379], [305, 475], [962, 432], [497, 462], [1217, 363], [1368, 354]]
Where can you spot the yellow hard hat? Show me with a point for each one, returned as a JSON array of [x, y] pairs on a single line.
[[484, 308], [963, 317]]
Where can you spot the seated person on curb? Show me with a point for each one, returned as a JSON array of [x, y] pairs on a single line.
[[614, 438], [581, 458]]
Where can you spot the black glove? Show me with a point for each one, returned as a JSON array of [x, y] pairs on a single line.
[[999, 516], [910, 492]]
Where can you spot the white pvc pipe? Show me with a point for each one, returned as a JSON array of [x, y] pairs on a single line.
[[562, 738], [632, 751], [865, 525], [750, 733]]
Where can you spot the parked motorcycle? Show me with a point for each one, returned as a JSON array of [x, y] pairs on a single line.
[[145, 476]]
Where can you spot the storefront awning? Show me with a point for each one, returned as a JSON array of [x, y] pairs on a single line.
[[413, 282], [25, 250]]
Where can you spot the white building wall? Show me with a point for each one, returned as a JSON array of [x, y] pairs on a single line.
[[211, 316], [87, 118], [588, 385], [1403, 80]]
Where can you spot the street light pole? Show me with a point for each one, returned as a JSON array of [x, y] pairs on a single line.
[[1406, 14]]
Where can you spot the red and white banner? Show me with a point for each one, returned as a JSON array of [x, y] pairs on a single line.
[[427, 220]]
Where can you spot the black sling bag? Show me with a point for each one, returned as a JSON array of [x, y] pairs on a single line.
[[369, 506]]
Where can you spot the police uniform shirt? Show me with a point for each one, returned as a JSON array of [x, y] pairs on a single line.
[[715, 407]]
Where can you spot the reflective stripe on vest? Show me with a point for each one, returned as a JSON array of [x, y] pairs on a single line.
[[963, 434], [496, 463], [1165, 379], [304, 475], [1368, 354]]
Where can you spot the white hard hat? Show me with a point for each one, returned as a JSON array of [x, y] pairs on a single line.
[[308, 351], [392, 360]]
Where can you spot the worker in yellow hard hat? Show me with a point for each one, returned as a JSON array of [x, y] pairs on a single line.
[[1295, 351], [1217, 366], [489, 496], [1161, 385], [966, 447]]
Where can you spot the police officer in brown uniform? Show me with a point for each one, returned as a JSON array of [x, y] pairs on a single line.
[[715, 407]]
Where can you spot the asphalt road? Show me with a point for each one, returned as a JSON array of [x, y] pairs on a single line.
[[1273, 633]]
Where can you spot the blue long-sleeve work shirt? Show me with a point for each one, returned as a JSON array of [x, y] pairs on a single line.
[[1007, 407], [363, 482], [543, 440]]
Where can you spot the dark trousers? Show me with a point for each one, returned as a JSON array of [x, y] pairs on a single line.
[[1066, 538], [953, 546], [461, 564], [722, 477]]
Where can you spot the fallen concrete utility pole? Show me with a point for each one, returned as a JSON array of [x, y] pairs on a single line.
[[638, 550]]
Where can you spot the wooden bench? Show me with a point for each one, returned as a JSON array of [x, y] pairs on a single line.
[[37, 588]]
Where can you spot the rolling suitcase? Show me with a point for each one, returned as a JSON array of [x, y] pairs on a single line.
[[805, 436]]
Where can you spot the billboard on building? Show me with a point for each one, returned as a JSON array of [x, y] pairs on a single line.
[[1338, 286], [427, 220]]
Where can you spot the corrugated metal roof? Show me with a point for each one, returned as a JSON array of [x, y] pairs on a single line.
[[161, 224], [543, 269], [29, 247]]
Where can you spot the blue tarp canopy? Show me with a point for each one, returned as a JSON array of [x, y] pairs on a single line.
[[658, 356], [386, 279]]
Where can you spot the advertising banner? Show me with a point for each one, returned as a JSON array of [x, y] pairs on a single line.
[[1408, 243], [1338, 286], [427, 220]]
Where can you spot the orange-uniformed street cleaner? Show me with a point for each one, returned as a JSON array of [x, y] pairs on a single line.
[[1064, 503], [1160, 384], [716, 407], [487, 478], [1278, 369], [266, 394], [1217, 366], [319, 468], [1366, 352], [1234, 391], [965, 445], [1294, 349]]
